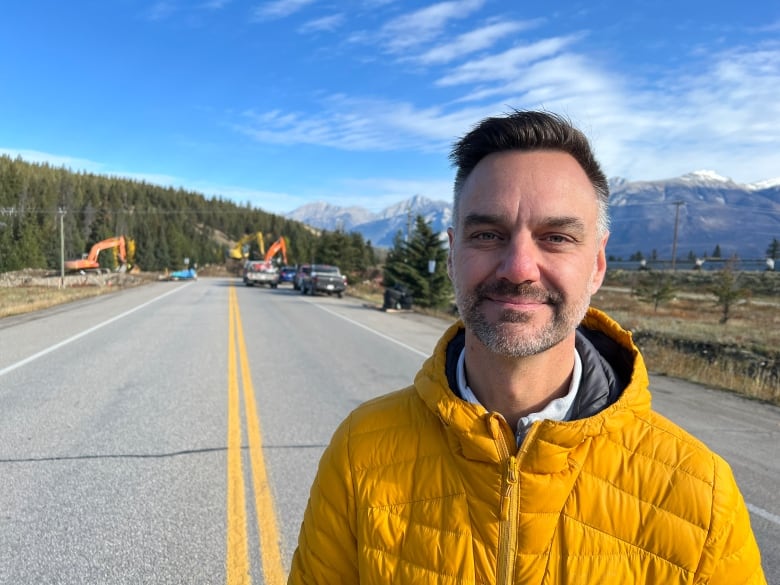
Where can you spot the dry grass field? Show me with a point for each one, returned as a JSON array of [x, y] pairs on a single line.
[[32, 290], [683, 338]]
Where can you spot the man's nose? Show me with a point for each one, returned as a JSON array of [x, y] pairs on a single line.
[[520, 260]]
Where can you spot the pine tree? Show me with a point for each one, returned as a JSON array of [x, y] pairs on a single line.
[[408, 264], [655, 288], [727, 292], [773, 250]]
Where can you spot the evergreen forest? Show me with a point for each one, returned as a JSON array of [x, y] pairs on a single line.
[[47, 213]]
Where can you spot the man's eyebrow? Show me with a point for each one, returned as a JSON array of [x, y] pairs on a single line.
[[565, 222], [568, 222], [473, 219]]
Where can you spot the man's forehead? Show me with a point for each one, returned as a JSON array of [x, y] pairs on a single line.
[[550, 168], [487, 202]]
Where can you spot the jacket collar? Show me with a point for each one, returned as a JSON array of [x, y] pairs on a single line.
[[613, 387]]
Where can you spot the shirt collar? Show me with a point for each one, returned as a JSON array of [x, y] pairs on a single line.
[[558, 409]]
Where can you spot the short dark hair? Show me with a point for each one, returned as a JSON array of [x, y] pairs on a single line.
[[527, 130]]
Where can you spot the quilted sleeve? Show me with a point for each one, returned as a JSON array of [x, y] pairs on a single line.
[[731, 555], [327, 546]]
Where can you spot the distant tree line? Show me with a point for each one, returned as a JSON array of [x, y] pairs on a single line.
[[772, 252], [39, 204], [167, 225]]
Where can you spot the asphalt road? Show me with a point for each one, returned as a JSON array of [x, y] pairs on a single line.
[[139, 431]]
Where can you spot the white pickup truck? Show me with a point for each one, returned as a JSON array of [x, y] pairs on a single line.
[[263, 273]]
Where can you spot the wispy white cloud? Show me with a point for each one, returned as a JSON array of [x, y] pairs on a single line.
[[326, 23], [505, 65], [338, 127], [690, 119], [472, 41], [421, 26], [771, 27], [371, 4], [564, 82], [215, 4], [721, 116], [359, 124], [279, 9], [161, 10], [738, 94], [165, 9], [719, 112]]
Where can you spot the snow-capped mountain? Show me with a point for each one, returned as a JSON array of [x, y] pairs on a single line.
[[330, 217], [710, 210], [378, 228]]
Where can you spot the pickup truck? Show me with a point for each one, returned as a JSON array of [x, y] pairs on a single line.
[[323, 278], [261, 273]]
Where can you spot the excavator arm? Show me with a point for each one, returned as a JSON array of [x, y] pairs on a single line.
[[117, 242], [278, 246], [240, 250], [91, 261]]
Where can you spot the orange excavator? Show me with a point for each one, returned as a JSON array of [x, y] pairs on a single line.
[[90, 262], [278, 246]]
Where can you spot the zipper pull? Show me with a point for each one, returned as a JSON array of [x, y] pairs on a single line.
[[511, 481]]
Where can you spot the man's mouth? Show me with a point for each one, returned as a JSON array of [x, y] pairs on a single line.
[[513, 296], [517, 302]]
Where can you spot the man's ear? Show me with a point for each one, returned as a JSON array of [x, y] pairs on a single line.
[[600, 269], [451, 240]]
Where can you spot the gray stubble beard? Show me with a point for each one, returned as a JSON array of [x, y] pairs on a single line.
[[498, 337]]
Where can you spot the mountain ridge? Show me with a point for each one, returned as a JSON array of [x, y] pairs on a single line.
[[708, 209]]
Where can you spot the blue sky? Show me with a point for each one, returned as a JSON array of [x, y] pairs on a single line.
[[357, 102]]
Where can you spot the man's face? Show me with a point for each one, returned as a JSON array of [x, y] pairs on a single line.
[[525, 256]]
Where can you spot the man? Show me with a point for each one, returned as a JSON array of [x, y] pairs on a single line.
[[526, 450]]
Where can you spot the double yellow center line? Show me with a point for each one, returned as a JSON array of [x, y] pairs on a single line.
[[237, 553]]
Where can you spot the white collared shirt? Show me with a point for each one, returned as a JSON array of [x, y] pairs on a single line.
[[557, 409]]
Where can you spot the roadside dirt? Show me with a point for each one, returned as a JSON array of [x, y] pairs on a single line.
[[37, 277]]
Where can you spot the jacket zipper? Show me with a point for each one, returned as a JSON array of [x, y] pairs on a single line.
[[507, 528]]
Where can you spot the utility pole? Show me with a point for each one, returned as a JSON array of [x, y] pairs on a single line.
[[62, 247], [674, 242]]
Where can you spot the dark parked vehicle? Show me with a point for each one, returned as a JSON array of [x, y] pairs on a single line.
[[324, 278], [287, 274], [303, 270], [397, 297]]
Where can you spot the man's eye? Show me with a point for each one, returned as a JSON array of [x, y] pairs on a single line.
[[557, 239], [484, 236]]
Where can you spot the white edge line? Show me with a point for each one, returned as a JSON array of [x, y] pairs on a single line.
[[56, 346], [763, 513], [374, 331]]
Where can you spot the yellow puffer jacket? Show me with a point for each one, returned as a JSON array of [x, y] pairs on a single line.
[[421, 487]]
